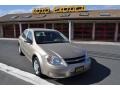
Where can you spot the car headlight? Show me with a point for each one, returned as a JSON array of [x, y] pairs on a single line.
[[54, 60]]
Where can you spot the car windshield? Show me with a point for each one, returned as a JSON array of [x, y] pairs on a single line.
[[44, 37]]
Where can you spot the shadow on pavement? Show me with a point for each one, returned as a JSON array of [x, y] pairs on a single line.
[[97, 73]]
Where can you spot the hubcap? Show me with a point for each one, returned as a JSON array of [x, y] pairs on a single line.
[[36, 67]]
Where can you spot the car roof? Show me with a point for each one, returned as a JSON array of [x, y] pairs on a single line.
[[41, 29]]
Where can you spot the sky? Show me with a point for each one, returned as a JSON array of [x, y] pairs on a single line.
[[10, 9]]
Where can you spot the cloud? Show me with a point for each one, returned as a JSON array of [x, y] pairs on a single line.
[[111, 6], [15, 11], [2, 12], [18, 11], [102, 7]]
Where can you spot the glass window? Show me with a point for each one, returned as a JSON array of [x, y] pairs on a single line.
[[24, 35], [29, 36], [43, 37]]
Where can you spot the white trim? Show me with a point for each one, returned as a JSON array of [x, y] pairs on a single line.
[[116, 32], [93, 31], [53, 26], [20, 27], [28, 25], [44, 25], [1, 30], [14, 30], [70, 30]]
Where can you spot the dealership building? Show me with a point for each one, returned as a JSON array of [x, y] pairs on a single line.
[[97, 25]]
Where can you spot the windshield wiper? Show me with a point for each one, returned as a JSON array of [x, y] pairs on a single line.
[[61, 42], [47, 42]]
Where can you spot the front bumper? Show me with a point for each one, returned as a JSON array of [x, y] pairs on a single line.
[[68, 71]]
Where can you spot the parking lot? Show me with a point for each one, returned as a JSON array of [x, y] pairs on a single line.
[[104, 70]]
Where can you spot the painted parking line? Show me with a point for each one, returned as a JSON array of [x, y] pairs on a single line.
[[28, 77]]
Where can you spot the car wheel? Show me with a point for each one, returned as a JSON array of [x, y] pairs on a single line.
[[36, 67], [20, 51]]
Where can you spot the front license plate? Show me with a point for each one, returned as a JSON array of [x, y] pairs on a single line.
[[79, 69]]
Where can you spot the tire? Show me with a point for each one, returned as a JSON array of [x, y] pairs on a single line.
[[20, 51], [36, 67]]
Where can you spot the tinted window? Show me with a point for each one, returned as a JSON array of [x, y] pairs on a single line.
[[42, 37]]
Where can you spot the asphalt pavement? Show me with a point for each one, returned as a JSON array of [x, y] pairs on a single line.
[[6, 79], [104, 69]]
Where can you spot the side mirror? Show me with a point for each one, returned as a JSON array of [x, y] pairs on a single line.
[[28, 41]]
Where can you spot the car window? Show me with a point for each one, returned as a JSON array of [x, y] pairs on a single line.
[[29, 36], [43, 37], [24, 35]]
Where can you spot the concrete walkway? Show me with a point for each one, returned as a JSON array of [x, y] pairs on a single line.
[[80, 42], [98, 42]]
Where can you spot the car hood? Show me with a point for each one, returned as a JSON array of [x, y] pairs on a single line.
[[65, 50]]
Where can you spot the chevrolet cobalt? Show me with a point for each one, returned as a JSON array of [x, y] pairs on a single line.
[[52, 54]]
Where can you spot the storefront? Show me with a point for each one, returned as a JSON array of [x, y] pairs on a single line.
[[100, 25]]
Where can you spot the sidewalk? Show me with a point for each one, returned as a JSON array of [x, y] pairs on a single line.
[[97, 42], [80, 42]]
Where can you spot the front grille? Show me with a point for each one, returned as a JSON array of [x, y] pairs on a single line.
[[75, 60]]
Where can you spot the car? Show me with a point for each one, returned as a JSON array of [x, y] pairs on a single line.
[[52, 54]]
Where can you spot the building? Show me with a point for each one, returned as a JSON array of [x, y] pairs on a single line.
[[100, 25]]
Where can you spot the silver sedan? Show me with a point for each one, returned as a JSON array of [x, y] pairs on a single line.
[[52, 54]]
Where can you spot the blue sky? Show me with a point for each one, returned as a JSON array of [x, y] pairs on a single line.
[[5, 9]]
